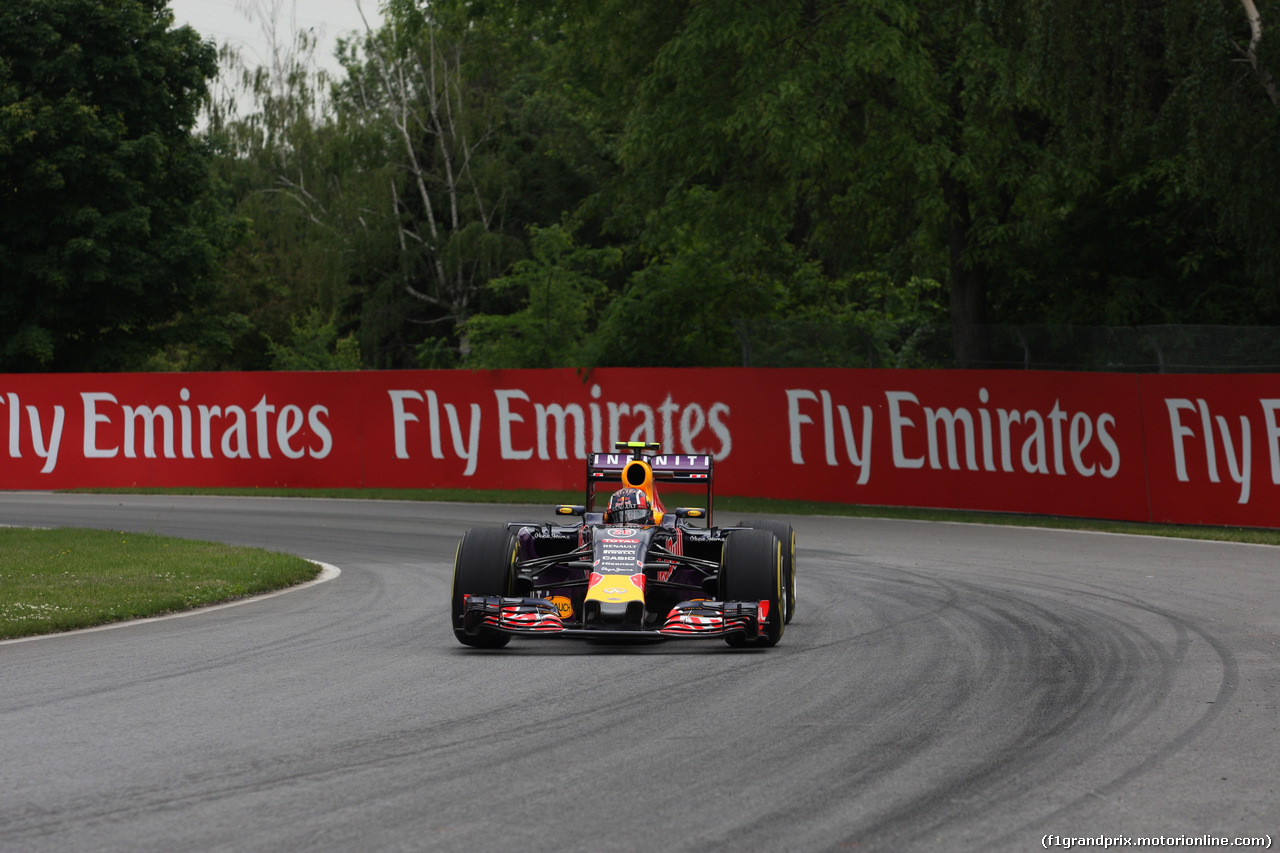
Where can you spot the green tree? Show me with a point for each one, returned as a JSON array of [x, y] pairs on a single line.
[[1170, 110], [391, 198], [562, 290], [302, 183], [1097, 162], [764, 143], [850, 175], [314, 344], [108, 233], [436, 89]]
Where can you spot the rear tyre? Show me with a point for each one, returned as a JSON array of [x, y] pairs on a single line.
[[787, 536], [751, 570], [484, 565]]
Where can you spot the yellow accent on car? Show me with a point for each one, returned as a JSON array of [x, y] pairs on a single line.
[[615, 588]]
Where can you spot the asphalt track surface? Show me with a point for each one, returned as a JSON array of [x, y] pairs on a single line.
[[942, 687]]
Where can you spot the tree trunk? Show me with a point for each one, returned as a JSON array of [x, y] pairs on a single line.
[[968, 282]]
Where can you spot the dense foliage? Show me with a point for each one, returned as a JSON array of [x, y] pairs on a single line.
[[603, 182], [107, 237]]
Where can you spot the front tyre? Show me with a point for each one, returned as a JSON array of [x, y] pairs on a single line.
[[787, 536], [751, 570], [484, 565]]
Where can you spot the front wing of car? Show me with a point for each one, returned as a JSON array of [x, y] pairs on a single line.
[[538, 617]]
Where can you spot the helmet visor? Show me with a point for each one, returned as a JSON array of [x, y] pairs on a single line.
[[630, 515]]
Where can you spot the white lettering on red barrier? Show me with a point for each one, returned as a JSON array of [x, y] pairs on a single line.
[[1239, 467], [923, 436], [529, 429], [230, 425], [1177, 448], [1269, 408], [1213, 433], [859, 455], [49, 452], [468, 450]]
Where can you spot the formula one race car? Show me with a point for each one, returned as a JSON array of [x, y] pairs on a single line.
[[630, 570]]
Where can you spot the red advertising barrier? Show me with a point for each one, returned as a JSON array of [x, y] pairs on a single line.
[[1213, 449], [1192, 449]]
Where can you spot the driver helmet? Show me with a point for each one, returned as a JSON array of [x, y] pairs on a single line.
[[629, 506]]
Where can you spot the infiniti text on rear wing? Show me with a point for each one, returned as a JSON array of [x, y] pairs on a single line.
[[670, 468], [684, 469]]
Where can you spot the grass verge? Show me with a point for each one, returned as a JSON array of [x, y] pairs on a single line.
[[758, 506], [63, 579]]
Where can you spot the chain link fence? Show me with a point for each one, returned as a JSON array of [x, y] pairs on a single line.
[[1118, 349]]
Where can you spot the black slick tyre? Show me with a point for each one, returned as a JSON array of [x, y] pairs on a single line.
[[787, 536], [751, 570], [484, 565]]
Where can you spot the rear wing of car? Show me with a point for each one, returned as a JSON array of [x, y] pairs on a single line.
[[639, 464]]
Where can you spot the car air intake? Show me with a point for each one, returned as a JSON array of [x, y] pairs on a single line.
[[636, 474]]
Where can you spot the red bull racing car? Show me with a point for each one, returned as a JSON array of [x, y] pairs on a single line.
[[621, 566]]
